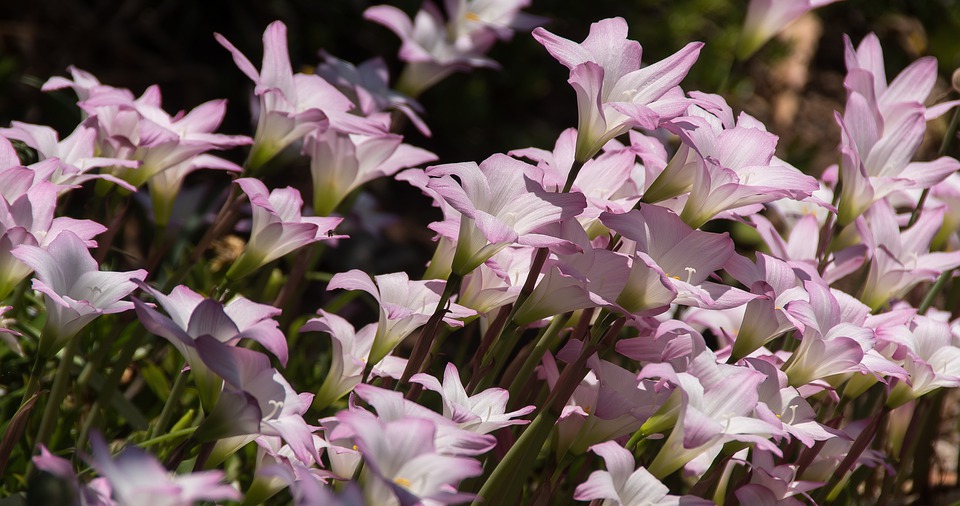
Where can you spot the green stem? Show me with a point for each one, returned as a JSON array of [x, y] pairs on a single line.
[[543, 344], [506, 481], [33, 383], [421, 350], [52, 408], [167, 437], [179, 385], [934, 291]]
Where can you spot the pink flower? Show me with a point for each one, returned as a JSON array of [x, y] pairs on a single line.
[[435, 46], [402, 465], [341, 163], [623, 482], [191, 316], [136, 477], [482, 413], [613, 93], [501, 204], [405, 306], [256, 399], [765, 18], [74, 288], [291, 105], [278, 227]]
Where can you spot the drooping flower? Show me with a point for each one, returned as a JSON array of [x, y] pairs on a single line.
[[278, 227], [75, 290], [613, 93]]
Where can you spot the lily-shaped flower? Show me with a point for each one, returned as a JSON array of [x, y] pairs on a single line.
[[367, 85], [434, 46], [882, 128], [929, 353], [136, 477], [671, 262], [341, 163], [901, 260], [27, 218], [613, 93], [766, 18], [625, 484], [737, 168], [75, 290], [76, 154], [833, 342], [349, 351], [482, 413], [402, 463], [774, 485], [278, 227], [782, 406], [611, 182], [405, 306], [256, 400], [139, 129], [501, 204], [772, 315], [609, 403], [291, 105], [192, 316], [591, 277], [715, 406]]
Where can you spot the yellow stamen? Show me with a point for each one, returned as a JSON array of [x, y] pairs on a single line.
[[472, 16], [403, 482]]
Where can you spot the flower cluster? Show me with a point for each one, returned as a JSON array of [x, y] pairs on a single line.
[[592, 326]]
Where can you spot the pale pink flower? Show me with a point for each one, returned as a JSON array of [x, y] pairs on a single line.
[[766, 18], [75, 290], [501, 204], [278, 227], [405, 306], [613, 93], [291, 105], [482, 413]]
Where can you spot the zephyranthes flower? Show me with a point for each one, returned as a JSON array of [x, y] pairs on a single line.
[[75, 290], [613, 93], [278, 227]]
